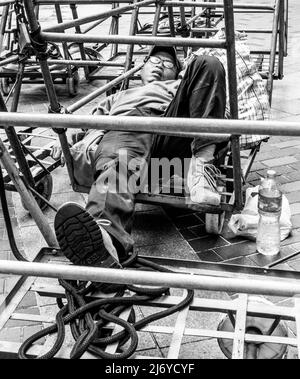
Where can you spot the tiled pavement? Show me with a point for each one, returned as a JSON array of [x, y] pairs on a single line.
[[168, 233]]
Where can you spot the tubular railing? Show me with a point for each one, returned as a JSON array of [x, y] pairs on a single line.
[[158, 125]]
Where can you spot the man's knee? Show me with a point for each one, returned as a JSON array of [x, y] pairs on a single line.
[[211, 65]]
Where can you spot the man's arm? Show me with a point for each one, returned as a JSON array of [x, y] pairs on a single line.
[[102, 109]]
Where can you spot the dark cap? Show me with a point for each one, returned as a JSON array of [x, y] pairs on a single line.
[[168, 49]]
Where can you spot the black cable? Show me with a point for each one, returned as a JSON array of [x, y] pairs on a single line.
[[88, 319], [14, 248]]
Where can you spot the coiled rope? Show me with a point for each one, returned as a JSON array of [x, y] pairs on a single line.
[[87, 318]]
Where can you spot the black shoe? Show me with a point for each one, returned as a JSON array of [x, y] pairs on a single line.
[[80, 239]]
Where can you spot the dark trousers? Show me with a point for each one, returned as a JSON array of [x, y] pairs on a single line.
[[201, 94]]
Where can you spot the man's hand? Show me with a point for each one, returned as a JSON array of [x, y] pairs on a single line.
[[56, 152]]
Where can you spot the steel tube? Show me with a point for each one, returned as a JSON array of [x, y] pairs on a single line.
[[174, 280], [233, 99], [11, 133], [132, 40], [166, 3], [218, 5], [81, 46], [130, 49], [95, 17], [27, 197], [77, 62], [9, 60], [273, 50], [74, 107], [159, 125]]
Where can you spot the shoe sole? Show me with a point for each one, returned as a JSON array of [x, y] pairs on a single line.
[[80, 238]]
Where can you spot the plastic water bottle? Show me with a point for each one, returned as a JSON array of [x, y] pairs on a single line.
[[269, 208]]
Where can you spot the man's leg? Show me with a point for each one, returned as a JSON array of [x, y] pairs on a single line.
[[120, 167], [86, 236], [201, 94]]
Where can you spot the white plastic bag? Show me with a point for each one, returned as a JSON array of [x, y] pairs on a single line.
[[245, 224]]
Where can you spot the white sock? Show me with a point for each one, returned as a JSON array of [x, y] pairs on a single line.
[[206, 153], [107, 241]]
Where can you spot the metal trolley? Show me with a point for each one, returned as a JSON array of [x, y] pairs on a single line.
[[128, 62]]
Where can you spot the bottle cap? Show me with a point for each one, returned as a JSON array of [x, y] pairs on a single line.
[[271, 173]]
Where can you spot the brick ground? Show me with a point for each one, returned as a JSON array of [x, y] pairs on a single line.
[[182, 234]]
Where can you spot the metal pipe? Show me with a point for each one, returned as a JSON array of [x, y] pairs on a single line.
[[77, 62], [9, 60], [233, 99], [278, 287], [114, 28], [81, 46], [130, 49], [158, 125], [132, 40], [286, 26], [218, 5], [64, 44], [7, 2], [247, 31], [166, 3], [27, 197], [3, 21], [171, 22], [94, 25], [273, 50], [74, 107], [281, 48], [11, 133], [50, 90], [94, 17]]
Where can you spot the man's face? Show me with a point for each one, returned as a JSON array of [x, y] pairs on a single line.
[[157, 70]]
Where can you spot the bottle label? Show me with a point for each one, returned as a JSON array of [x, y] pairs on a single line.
[[269, 204]]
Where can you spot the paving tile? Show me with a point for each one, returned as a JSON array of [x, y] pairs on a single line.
[[286, 170], [28, 301], [2, 286], [21, 323], [292, 239], [186, 221], [263, 260], [265, 155], [289, 143], [296, 221], [293, 197], [10, 282], [209, 256], [173, 212], [257, 165], [241, 261], [193, 232], [287, 105], [11, 334], [294, 264], [237, 250], [29, 331], [295, 208], [176, 249], [279, 161], [153, 227], [293, 176], [206, 243], [291, 187]]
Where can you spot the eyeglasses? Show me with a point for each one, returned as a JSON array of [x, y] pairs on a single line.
[[157, 60]]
